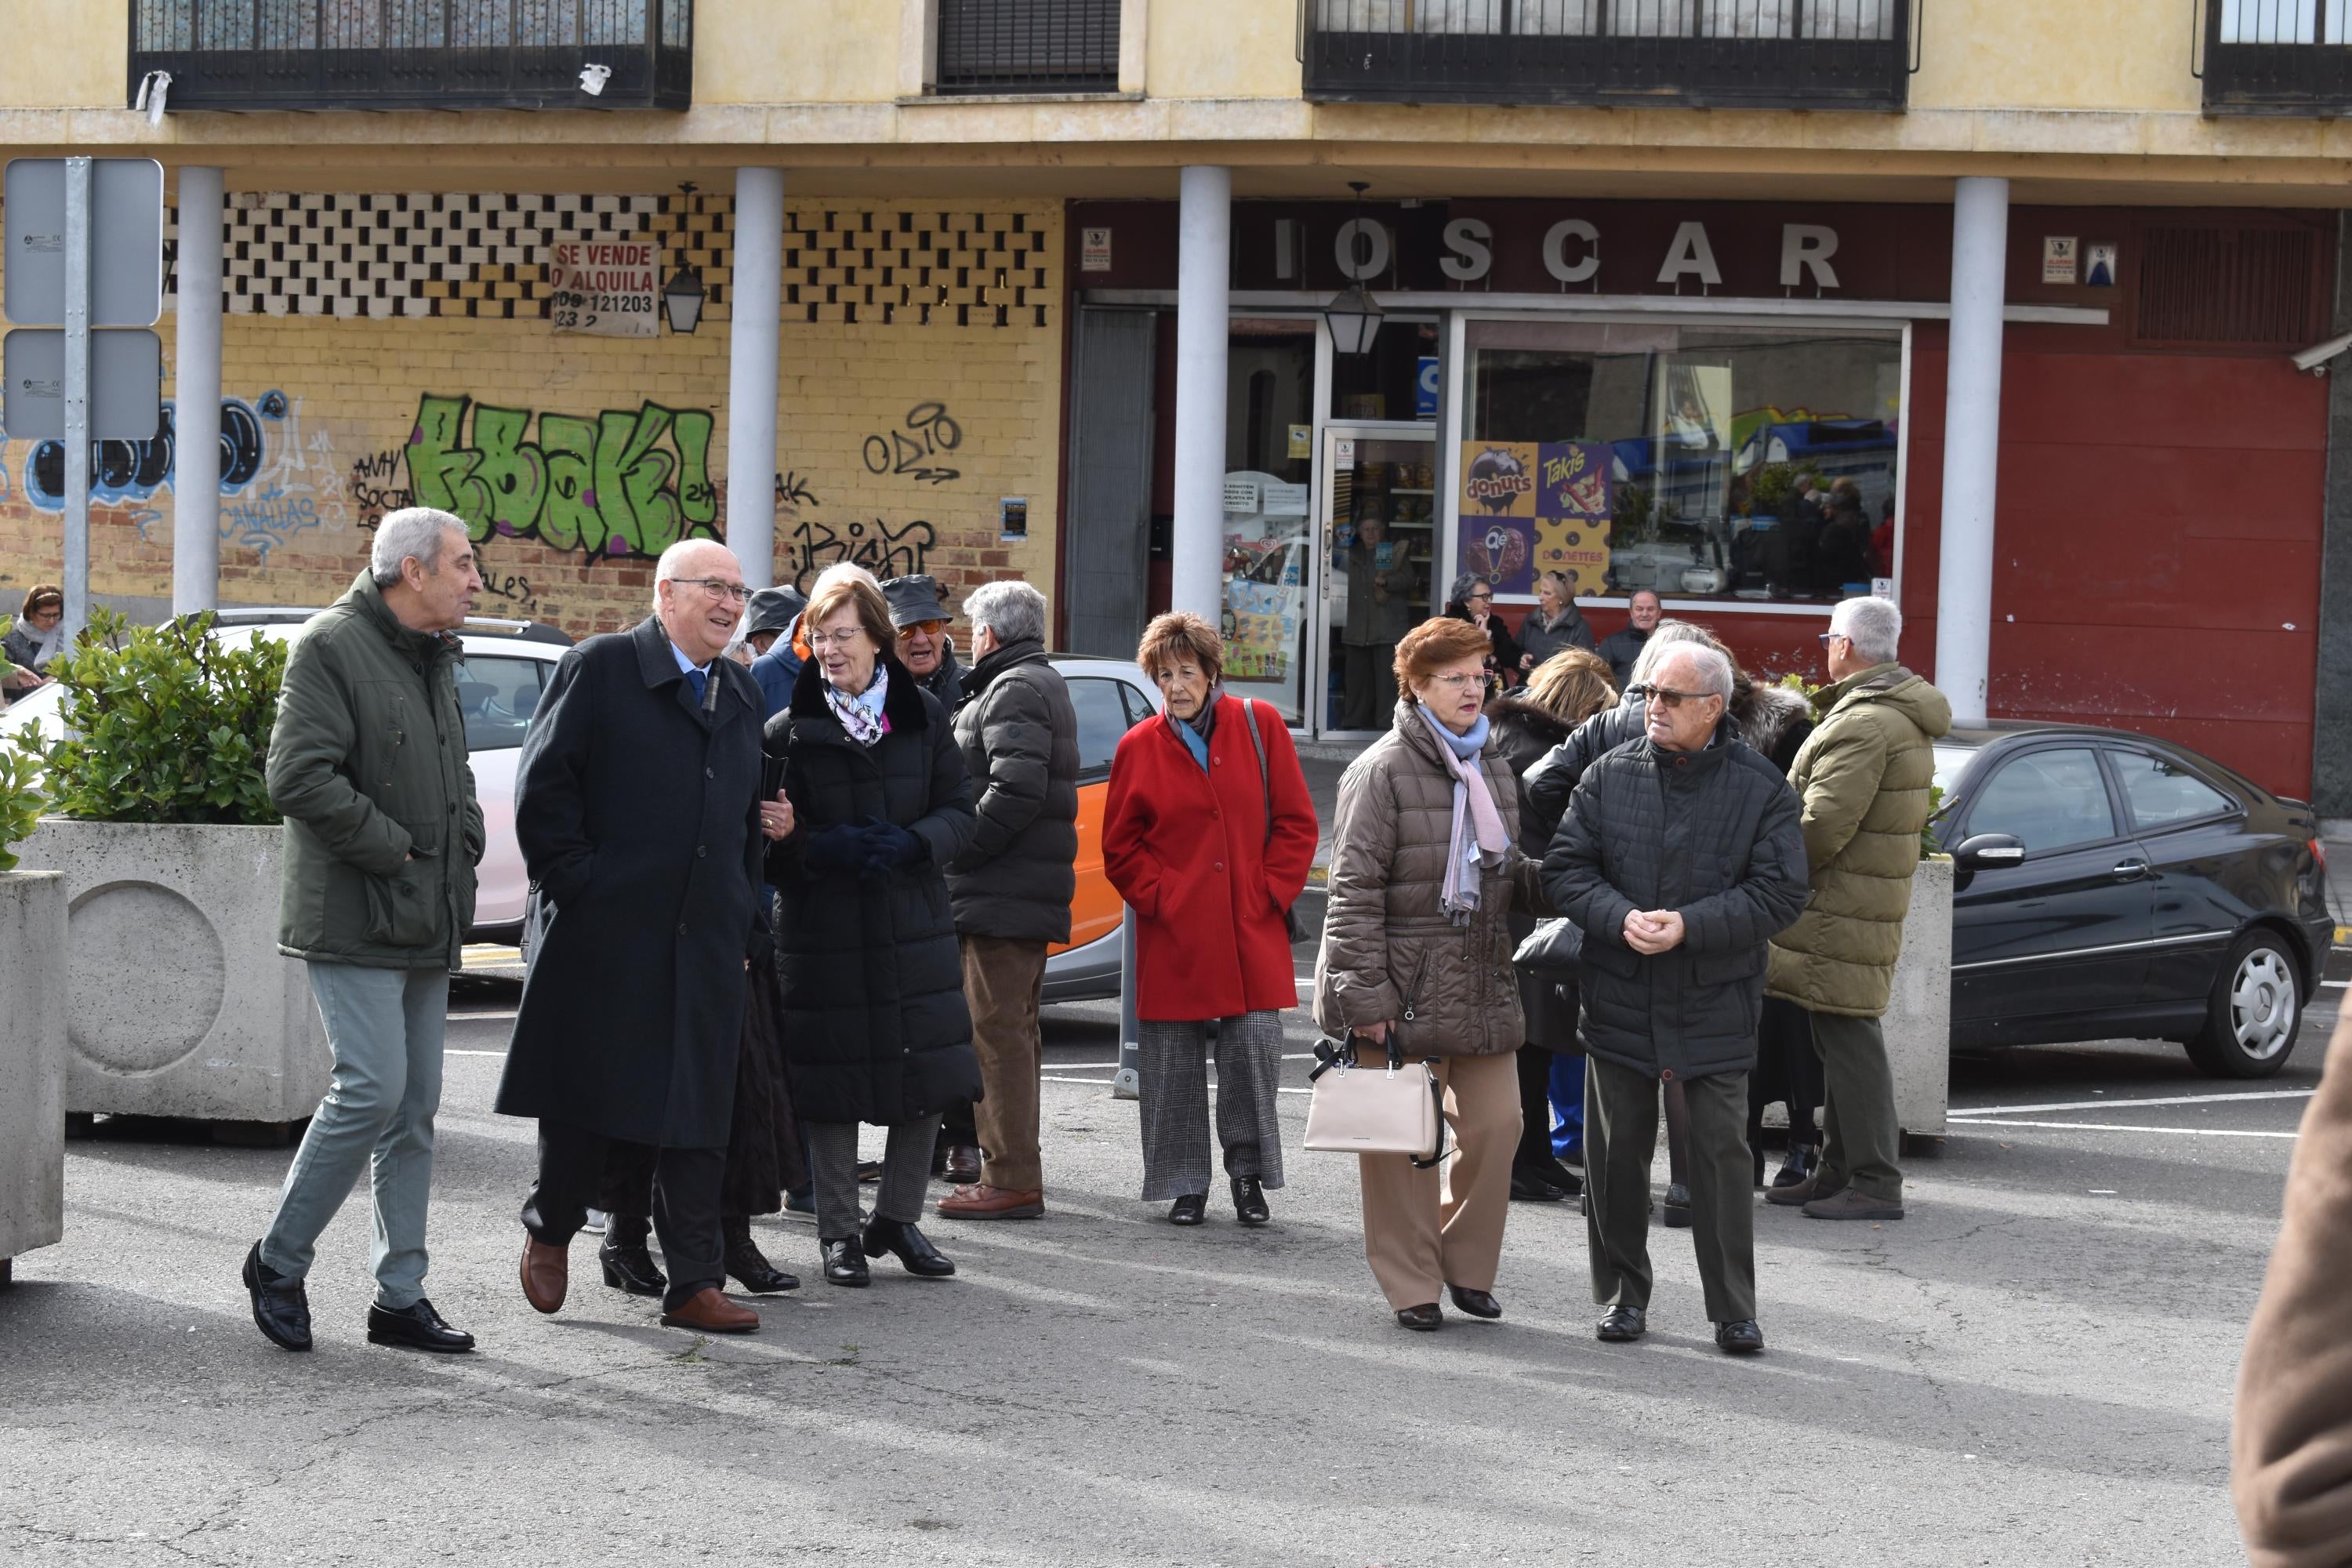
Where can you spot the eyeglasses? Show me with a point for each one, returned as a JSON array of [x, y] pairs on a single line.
[[929, 628], [719, 587], [1457, 683], [1841, 637], [1666, 697], [844, 640]]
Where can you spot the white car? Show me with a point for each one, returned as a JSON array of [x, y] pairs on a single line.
[[506, 667]]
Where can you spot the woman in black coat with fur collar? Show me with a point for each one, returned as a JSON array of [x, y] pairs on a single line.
[[874, 1019]]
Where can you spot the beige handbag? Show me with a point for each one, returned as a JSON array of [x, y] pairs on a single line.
[[1363, 1105]]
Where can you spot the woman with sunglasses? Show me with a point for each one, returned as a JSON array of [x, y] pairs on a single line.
[[875, 1025], [1425, 870]]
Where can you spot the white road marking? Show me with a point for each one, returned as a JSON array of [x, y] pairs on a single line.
[[510, 1016], [2112, 1104], [2334, 984], [2114, 1127], [450, 1051], [1106, 1083]]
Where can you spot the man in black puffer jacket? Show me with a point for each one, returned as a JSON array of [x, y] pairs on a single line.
[[1681, 855], [1011, 887]]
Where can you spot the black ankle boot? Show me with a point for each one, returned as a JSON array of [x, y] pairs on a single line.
[[748, 1265], [909, 1245]]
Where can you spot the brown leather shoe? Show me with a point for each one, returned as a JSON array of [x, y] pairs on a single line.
[[963, 1165], [978, 1200], [712, 1313], [1797, 1194], [546, 1271]]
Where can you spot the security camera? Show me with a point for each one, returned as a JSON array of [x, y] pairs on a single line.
[[2314, 360], [593, 79]]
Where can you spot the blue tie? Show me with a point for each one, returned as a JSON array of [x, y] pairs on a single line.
[[698, 681]]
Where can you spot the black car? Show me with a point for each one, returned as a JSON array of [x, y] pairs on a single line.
[[2114, 886]]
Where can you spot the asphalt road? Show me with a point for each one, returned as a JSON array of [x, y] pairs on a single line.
[[2034, 1366]]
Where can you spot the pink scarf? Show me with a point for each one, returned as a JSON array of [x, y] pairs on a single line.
[[1473, 808]]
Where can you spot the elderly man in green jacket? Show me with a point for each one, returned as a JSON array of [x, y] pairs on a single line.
[[1863, 775], [367, 760]]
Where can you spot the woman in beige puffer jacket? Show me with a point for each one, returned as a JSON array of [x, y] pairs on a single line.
[[1397, 959]]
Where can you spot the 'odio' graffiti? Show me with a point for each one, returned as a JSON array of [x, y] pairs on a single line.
[[605, 486]]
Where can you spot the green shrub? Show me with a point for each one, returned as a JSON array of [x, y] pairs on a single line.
[[163, 724]]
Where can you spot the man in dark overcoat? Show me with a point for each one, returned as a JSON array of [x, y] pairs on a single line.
[[638, 813]]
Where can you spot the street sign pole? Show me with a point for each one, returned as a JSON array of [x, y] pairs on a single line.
[[1127, 1083], [76, 398]]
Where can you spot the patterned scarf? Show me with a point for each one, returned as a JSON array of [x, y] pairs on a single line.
[[862, 715], [1474, 810]]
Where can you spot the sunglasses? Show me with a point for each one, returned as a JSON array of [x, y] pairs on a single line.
[[1666, 697], [1841, 637], [929, 628]]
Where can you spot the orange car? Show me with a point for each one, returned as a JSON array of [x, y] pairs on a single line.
[[1111, 695]]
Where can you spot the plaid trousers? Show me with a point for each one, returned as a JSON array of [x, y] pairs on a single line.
[[1174, 1091]]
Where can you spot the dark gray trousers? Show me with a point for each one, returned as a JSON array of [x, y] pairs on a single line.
[[1862, 1145], [685, 1203], [833, 1173], [1620, 1139]]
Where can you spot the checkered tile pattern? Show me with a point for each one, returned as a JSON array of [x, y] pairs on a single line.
[[388, 254]]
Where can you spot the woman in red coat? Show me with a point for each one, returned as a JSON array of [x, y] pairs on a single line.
[[1208, 836]]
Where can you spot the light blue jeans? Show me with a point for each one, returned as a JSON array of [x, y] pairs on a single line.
[[384, 1027]]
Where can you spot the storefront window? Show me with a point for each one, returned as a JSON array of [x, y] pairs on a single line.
[[1396, 378], [1269, 466], [1701, 462]]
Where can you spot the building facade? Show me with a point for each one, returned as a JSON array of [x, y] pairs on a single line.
[[1755, 304]]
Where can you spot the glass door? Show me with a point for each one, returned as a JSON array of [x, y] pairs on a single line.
[[1377, 565]]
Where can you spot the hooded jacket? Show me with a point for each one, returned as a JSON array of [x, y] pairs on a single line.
[[1864, 777]]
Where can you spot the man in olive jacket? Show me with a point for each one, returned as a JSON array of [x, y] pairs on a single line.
[[1679, 857], [1864, 777], [367, 760], [1011, 889]]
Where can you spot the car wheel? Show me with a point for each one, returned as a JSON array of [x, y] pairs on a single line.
[[2256, 1008]]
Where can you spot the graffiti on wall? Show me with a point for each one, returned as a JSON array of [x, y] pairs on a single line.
[[881, 549], [374, 486], [909, 452], [607, 485]]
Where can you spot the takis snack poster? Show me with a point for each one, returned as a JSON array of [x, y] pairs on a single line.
[[1573, 497]]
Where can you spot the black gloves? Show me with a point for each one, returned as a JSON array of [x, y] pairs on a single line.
[[888, 845], [873, 848], [840, 847]]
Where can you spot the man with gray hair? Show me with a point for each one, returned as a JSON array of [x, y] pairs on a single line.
[[1680, 856], [1011, 888], [1865, 775], [367, 760]]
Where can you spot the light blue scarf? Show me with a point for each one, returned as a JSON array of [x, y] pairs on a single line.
[[1478, 834]]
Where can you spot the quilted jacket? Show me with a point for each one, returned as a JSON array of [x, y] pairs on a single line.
[[1711, 834]]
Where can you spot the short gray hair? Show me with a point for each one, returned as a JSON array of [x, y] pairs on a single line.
[[1873, 625], [421, 532], [1014, 610], [1666, 635], [1714, 670]]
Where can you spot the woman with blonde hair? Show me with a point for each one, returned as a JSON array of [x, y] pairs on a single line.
[[1208, 834], [1416, 953], [1561, 693], [875, 1025]]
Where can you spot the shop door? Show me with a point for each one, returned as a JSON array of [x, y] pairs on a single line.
[[1377, 567]]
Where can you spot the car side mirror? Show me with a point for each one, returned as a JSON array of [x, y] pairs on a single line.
[[1981, 850]]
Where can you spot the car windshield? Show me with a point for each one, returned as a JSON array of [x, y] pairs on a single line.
[[1951, 762], [497, 696]]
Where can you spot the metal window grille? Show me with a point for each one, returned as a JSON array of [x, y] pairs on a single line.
[[423, 54], [2277, 56], [1028, 45]]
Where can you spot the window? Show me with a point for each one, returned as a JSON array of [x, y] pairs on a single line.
[[1625, 18], [1102, 721], [2279, 21], [498, 696], [1138, 704], [1723, 463], [2046, 800], [2160, 791]]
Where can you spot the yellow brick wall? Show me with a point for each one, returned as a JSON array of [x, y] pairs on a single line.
[[898, 438]]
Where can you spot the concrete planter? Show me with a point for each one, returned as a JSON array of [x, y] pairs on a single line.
[[179, 1001], [1918, 1022], [32, 1063]]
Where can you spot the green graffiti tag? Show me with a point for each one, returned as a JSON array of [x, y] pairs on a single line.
[[622, 483]]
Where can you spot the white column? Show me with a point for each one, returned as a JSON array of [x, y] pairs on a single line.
[[751, 349], [1971, 445], [1204, 285], [196, 397]]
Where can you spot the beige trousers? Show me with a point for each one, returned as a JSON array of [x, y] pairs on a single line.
[[1424, 1230], [1004, 981]]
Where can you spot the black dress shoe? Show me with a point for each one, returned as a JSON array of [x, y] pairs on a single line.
[[909, 1245], [1620, 1325], [281, 1307], [800, 1202], [1190, 1209], [1745, 1337], [869, 1169], [416, 1327], [1569, 1183], [750, 1268], [1249, 1201], [844, 1264], [963, 1165], [631, 1268], [1477, 1303], [1422, 1320], [1526, 1189], [1678, 1206]]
